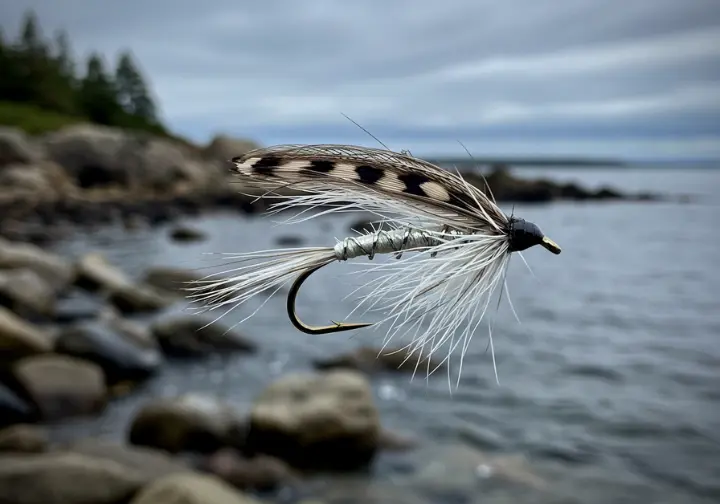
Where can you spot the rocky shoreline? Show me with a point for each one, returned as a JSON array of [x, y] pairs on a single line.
[[87, 176]]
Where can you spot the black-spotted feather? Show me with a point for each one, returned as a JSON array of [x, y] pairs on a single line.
[[382, 173]]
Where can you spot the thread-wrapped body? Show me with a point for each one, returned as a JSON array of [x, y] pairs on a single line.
[[385, 242]]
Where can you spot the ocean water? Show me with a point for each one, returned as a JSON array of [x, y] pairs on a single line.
[[609, 385]]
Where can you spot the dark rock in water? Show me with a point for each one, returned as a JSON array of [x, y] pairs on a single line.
[[14, 410], [186, 336], [121, 358], [62, 386], [186, 234], [259, 473], [289, 241], [65, 478], [369, 359], [76, 306], [138, 299], [23, 438], [188, 423], [317, 422]]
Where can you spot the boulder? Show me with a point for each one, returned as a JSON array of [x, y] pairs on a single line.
[[223, 148], [121, 357], [19, 338], [189, 423], [42, 181], [62, 386], [190, 336], [260, 473], [317, 421], [23, 438], [27, 293], [54, 269], [65, 478], [16, 147], [190, 488]]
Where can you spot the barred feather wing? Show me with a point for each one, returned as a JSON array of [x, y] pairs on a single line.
[[371, 179]]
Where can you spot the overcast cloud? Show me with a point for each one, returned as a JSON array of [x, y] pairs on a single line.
[[633, 78]]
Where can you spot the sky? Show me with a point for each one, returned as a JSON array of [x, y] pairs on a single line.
[[632, 79]]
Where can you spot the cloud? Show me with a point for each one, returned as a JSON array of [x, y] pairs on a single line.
[[602, 77]]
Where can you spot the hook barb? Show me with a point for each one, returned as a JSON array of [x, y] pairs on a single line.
[[291, 298]]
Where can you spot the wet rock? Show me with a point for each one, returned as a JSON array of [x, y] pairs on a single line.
[[13, 409], [55, 270], [63, 478], [138, 333], [78, 305], [191, 488], [327, 421], [16, 147], [27, 293], [96, 274], [186, 234], [42, 181], [23, 439], [186, 336], [62, 386], [367, 359], [150, 464], [19, 338], [460, 469], [259, 473], [188, 423], [171, 279], [395, 441], [120, 357]]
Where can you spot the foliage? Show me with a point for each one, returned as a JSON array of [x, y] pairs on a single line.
[[41, 88]]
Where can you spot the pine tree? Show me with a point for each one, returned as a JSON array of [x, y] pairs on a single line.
[[133, 93], [98, 97]]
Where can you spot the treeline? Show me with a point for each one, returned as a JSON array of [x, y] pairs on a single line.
[[42, 75]]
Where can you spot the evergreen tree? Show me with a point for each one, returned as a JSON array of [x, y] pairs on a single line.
[[98, 97], [133, 94]]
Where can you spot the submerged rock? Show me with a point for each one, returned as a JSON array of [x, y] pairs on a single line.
[[327, 421]]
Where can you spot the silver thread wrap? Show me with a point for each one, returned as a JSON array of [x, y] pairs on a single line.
[[384, 242]]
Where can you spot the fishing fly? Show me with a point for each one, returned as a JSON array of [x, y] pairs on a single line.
[[451, 242]]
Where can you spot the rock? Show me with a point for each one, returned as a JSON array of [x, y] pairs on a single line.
[[16, 147], [459, 469], [327, 421], [186, 234], [13, 409], [223, 148], [259, 473], [19, 338], [77, 305], [186, 336], [132, 330], [191, 488], [27, 293], [171, 279], [65, 478], [395, 441], [96, 274], [23, 439], [101, 157], [55, 270], [62, 386], [150, 464], [369, 359], [121, 358], [41, 181], [188, 423], [289, 241]]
